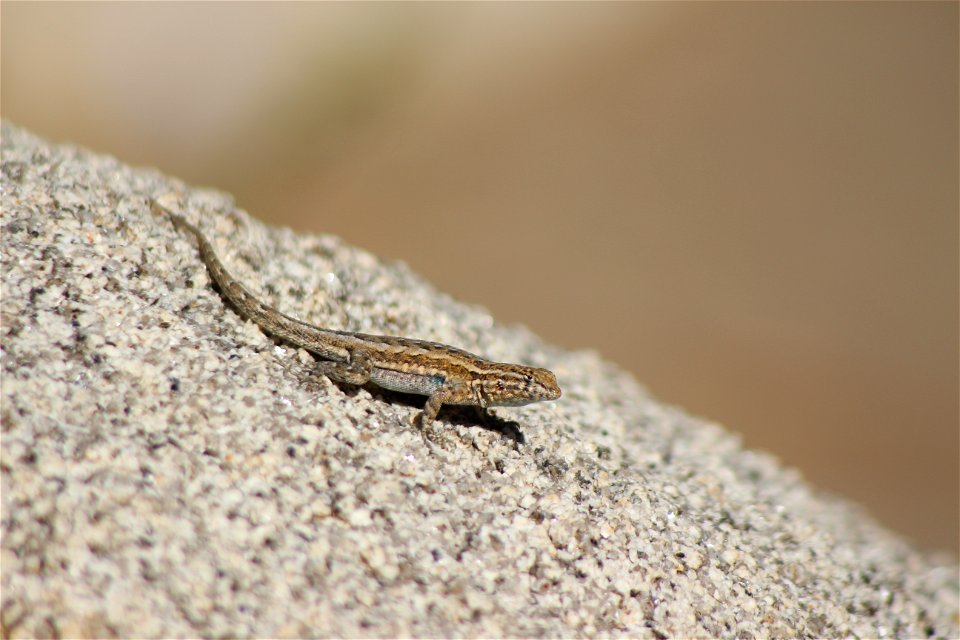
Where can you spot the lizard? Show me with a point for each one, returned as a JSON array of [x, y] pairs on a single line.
[[446, 375]]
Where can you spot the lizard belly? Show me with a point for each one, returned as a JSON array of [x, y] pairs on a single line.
[[420, 384]]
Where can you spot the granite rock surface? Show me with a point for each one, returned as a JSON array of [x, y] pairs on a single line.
[[170, 471]]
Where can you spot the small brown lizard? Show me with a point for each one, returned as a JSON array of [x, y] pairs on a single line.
[[446, 375]]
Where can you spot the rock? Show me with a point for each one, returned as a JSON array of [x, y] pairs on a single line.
[[169, 470]]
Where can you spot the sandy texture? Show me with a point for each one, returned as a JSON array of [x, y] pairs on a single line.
[[168, 470]]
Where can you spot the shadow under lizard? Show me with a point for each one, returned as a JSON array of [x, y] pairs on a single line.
[[445, 374]]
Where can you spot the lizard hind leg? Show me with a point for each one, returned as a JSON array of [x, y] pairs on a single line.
[[356, 372]]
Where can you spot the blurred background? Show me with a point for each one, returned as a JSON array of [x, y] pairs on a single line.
[[753, 207]]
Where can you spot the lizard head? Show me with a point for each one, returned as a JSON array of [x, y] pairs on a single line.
[[519, 385]]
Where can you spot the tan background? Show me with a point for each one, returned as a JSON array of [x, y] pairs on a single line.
[[754, 207]]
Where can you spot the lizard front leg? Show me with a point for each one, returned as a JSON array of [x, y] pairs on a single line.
[[434, 401], [450, 392]]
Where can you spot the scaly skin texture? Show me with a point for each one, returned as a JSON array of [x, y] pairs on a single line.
[[445, 374]]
